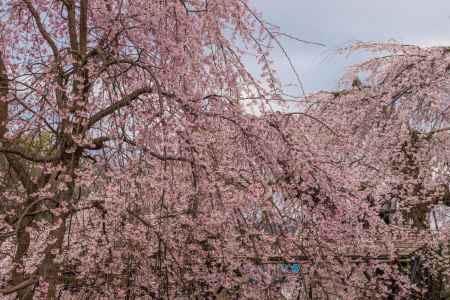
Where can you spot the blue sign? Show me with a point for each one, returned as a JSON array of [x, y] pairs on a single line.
[[291, 268]]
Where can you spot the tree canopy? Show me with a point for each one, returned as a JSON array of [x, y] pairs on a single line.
[[131, 167]]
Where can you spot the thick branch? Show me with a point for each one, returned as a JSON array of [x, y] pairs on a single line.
[[31, 157], [3, 102], [83, 27], [71, 18], [17, 287], [17, 166], [25, 213]]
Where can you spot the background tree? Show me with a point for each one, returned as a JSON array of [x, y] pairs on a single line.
[[395, 130]]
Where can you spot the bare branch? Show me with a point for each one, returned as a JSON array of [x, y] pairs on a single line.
[[190, 10], [162, 157], [315, 119], [41, 28], [301, 40], [118, 105]]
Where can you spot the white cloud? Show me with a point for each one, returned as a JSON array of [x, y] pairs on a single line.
[[337, 23]]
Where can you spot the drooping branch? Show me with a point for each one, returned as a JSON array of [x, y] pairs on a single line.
[[315, 119]]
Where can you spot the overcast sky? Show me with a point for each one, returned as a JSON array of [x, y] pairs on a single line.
[[338, 23]]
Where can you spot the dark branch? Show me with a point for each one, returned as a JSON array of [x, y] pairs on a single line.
[[118, 105], [17, 287], [31, 157], [41, 28]]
